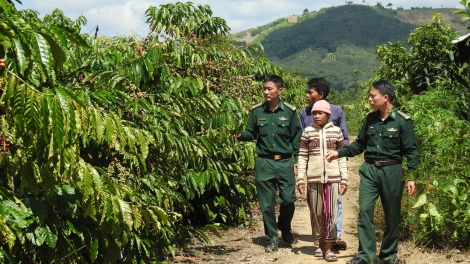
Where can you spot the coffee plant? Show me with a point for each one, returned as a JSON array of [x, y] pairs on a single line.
[[120, 150]]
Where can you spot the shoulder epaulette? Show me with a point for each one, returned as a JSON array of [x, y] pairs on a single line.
[[405, 116], [291, 107], [256, 106], [373, 111]]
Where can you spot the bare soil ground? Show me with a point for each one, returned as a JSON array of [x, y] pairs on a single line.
[[246, 245]]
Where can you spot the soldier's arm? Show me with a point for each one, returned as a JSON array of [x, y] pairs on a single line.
[[251, 131], [358, 146], [408, 146]]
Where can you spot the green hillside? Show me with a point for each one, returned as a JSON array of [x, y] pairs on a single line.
[[339, 42], [357, 25], [338, 67]]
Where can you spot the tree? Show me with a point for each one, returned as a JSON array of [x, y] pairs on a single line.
[[416, 72], [389, 5], [185, 19], [305, 11]]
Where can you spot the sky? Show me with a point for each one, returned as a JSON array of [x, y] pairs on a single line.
[[125, 17]]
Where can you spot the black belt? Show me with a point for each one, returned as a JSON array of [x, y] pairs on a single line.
[[381, 163], [276, 156]]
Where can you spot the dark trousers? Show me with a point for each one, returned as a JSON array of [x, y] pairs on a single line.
[[270, 173], [387, 183]]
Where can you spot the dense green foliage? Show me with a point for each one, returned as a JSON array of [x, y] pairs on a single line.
[[357, 25], [432, 89], [132, 162]]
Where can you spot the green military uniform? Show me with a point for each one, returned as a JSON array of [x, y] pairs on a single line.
[[278, 141], [388, 140]]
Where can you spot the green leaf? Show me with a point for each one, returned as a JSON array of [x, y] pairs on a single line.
[[20, 56], [31, 114], [143, 144], [57, 52], [43, 50], [87, 182], [421, 201], [137, 217], [99, 125], [37, 207], [126, 213], [111, 133], [6, 234], [63, 99], [111, 253], [58, 124], [110, 184], [433, 211], [94, 249]]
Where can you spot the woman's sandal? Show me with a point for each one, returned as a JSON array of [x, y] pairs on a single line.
[[318, 253], [340, 244], [330, 257]]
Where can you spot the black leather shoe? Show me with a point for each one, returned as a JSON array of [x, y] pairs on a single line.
[[356, 261], [287, 237], [270, 247], [392, 261]]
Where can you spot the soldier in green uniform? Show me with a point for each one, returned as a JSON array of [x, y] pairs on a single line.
[[386, 137], [275, 126]]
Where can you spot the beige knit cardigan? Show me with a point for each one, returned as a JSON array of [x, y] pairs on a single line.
[[314, 144]]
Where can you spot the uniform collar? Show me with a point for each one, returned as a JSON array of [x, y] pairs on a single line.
[[392, 114], [280, 105]]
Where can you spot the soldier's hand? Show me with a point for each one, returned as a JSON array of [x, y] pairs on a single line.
[[332, 155], [295, 168], [301, 188], [2, 63], [237, 136], [410, 185], [343, 188]]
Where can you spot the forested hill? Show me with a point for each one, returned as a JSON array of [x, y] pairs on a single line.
[[339, 42], [357, 25]]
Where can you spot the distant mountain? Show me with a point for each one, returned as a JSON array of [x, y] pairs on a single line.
[[339, 42]]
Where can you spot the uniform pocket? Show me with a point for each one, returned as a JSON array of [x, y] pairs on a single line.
[[391, 140], [372, 137], [282, 128], [262, 127]]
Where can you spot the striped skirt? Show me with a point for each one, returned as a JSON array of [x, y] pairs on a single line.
[[322, 199]]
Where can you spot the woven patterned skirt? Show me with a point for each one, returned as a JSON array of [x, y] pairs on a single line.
[[322, 199]]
